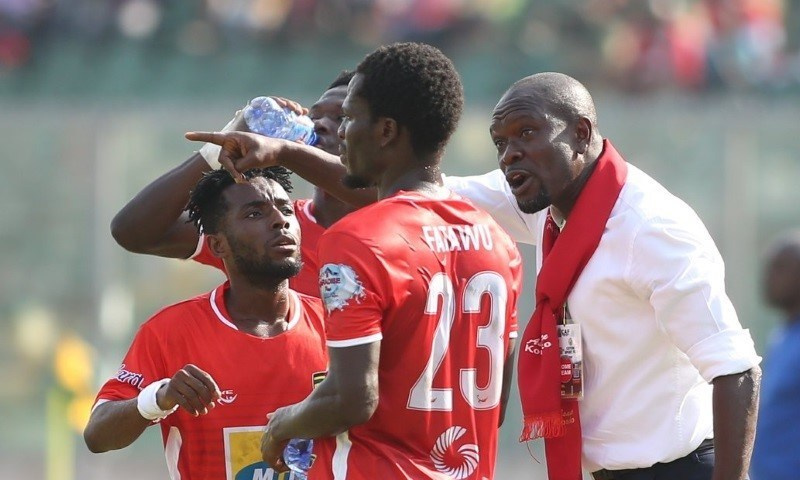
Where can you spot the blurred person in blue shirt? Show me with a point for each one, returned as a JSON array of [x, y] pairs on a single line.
[[776, 454]]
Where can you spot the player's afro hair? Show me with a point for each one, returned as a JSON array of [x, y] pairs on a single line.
[[342, 79], [206, 206], [417, 86]]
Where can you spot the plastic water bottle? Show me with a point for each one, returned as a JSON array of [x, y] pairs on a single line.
[[298, 456], [264, 116]]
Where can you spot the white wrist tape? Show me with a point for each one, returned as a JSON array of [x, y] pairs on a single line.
[[147, 404], [210, 152]]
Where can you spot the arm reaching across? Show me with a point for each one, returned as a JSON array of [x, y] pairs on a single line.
[[244, 151], [348, 396], [153, 222]]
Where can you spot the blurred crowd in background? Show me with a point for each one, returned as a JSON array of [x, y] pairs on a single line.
[[637, 45]]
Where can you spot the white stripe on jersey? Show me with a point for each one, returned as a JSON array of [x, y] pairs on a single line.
[[340, 455], [172, 450]]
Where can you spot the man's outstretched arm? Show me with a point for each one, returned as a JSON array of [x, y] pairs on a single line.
[[243, 151]]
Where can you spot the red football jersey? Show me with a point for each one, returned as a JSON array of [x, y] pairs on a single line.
[[436, 280], [306, 281], [255, 375]]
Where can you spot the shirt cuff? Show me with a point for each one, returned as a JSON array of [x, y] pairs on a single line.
[[724, 353]]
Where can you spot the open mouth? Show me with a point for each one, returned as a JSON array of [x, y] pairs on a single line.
[[516, 178], [284, 242]]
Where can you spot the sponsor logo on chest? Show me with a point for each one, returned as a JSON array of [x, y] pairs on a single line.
[[126, 376]]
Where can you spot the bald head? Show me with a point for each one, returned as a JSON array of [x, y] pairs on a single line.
[[782, 276], [561, 95], [544, 129]]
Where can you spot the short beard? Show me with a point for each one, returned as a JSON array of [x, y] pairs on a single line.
[[267, 274], [354, 182], [540, 202], [263, 272]]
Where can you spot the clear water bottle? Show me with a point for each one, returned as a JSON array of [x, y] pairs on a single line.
[[264, 116], [298, 457]]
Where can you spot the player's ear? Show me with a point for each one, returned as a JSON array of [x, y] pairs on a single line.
[[218, 245], [387, 130], [583, 135]]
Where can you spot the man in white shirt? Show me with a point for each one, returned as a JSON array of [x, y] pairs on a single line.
[[667, 365]]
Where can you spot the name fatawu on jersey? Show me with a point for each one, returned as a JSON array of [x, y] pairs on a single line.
[[449, 238]]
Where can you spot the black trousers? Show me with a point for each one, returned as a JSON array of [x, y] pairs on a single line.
[[698, 465]]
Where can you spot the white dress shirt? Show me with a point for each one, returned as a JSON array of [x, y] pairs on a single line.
[[656, 322]]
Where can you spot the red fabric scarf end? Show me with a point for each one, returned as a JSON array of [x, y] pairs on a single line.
[[549, 425]]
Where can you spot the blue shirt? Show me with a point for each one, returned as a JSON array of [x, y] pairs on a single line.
[[776, 455]]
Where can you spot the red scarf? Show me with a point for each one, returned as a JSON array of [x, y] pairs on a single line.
[[546, 414]]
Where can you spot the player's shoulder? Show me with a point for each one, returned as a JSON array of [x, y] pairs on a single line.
[[361, 224], [477, 215], [372, 219], [183, 313]]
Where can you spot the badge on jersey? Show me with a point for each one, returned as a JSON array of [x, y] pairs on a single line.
[[457, 463], [338, 285], [243, 456], [317, 378]]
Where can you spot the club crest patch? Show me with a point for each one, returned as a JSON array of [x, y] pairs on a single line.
[[338, 284]]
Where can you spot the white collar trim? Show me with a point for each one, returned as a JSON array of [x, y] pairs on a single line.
[[294, 308]]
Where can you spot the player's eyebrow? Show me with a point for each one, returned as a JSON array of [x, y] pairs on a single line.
[[277, 201], [256, 203]]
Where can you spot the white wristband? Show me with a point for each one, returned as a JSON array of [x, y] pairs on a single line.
[[210, 151], [147, 404], [210, 154]]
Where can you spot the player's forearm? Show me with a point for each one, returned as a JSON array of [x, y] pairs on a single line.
[[326, 172], [114, 425], [151, 222], [735, 414], [323, 414]]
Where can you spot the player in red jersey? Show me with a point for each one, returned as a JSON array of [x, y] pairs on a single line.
[[153, 221], [420, 290], [211, 368]]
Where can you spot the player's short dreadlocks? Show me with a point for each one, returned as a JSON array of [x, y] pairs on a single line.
[[417, 86], [206, 206]]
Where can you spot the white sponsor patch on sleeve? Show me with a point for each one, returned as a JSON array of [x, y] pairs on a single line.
[[338, 284]]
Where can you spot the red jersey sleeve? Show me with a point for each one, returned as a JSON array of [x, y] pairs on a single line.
[[143, 364], [203, 255], [352, 290]]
